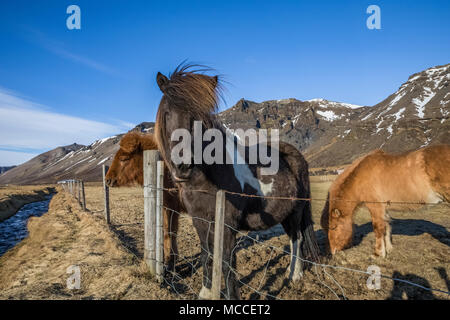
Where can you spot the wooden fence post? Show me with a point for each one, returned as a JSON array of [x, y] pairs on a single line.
[[150, 159], [218, 245], [83, 196], [159, 221], [106, 194], [79, 191]]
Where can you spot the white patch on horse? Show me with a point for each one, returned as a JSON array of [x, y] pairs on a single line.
[[242, 171], [266, 188], [295, 267]]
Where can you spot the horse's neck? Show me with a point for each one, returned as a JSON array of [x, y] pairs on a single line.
[[348, 195]]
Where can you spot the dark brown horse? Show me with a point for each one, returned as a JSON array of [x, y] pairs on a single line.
[[190, 96], [127, 170]]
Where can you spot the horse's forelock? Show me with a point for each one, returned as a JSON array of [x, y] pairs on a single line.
[[130, 142], [191, 90], [188, 89]]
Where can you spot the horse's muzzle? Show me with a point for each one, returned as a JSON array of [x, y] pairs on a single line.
[[110, 182], [179, 179], [182, 173]]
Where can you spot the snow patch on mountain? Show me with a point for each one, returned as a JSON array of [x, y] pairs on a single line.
[[420, 103], [326, 103], [328, 115], [398, 114]]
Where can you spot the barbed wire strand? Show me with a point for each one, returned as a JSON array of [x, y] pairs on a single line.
[[246, 195], [312, 262]]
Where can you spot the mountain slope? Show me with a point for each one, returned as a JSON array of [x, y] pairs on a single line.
[[328, 133], [73, 161], [332, 133]]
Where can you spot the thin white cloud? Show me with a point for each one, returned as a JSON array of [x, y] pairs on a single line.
[[57, 48], [80, 59], [27, 125]]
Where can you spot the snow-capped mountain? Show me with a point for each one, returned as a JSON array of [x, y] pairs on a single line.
[[333, 133], [328, 133]]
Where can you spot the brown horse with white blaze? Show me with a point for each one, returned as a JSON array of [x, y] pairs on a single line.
[[382, 182], [127, 170]]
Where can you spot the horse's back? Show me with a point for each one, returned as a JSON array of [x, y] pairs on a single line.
[[437, 167], [297, 163], [416, 176]]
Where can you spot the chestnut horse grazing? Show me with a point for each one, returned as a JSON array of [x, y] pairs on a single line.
[[127, 170], [382, 182], [190, 98]]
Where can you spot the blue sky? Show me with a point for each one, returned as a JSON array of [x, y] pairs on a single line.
[[86, 84]]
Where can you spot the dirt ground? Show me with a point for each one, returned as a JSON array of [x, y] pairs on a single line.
[[12, 198], [111, 259]]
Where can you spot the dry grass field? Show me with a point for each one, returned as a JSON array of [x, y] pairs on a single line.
[[111, 259]]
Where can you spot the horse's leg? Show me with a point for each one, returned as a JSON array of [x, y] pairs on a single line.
[[388, 235], [287, 228], [377, 212], [206, 261], [204, 231], [292, 227], [175, 216], [229, 265], [168, 261]]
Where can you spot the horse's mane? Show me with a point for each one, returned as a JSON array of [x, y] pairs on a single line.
[[349, 173], [338, 186], [190, 90], [193, 91], [136, 140]]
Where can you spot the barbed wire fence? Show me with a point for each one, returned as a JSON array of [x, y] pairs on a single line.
[[75, 187], [185, 279]]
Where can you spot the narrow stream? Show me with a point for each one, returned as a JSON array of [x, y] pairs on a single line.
[[14, 229]]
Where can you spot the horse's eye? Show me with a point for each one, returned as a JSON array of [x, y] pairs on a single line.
[[123, 159]]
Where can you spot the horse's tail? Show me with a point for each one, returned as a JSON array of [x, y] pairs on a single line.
[[299, 166], [310, 248]]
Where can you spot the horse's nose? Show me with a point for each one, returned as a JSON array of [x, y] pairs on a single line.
[[109, 182], [184, 167]]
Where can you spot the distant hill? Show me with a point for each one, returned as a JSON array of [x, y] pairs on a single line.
[[328, 133], [4, 169], [73, 161]]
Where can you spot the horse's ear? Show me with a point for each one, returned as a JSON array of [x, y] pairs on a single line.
[[336, 213], [215, 80], [162, 81]]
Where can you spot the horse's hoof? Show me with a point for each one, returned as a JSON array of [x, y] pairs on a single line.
[[379, 254], [205, 294], [297, 277], [389, 248], [294, 276]]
